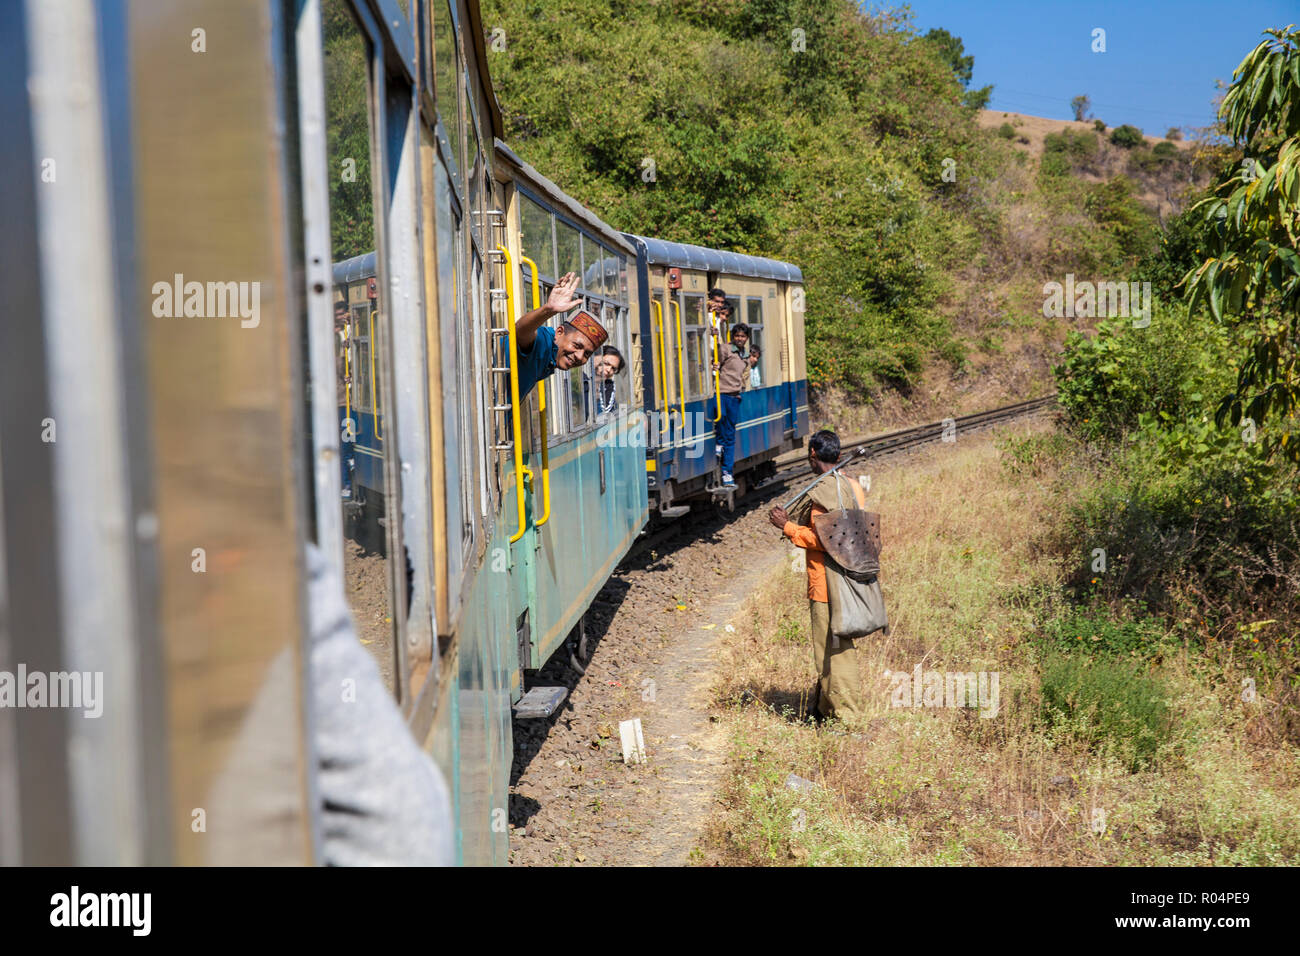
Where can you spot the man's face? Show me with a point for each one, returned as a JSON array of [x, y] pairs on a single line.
[[607, 366], [572, 348], [812, 461], [740, 338]]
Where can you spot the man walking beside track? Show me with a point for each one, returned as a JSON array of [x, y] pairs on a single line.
[[839, 690]]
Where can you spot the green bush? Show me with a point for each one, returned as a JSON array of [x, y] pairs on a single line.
[[1126, 136], [1007, 131], [1165, 148], [1099, 126], [1113, 707]]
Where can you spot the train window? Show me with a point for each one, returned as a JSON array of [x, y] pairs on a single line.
[[616, 321], [568, 249], [577, 390], [593, 277], [693, 333], [362, 359], [366, 461], [538, 243], [475, 180], [445, 72], [754, 319]]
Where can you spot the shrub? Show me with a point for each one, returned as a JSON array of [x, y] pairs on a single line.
[[1126, 136], [1174, 133], [1165, 149], [1099, 126], [1113, 707], [1007, 131]]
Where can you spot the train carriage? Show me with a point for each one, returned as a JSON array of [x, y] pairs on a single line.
[[346, 170], [682, 392]]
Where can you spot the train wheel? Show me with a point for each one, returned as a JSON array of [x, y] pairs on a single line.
[[579, 654]]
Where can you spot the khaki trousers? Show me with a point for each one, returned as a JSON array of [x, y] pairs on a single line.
[[836, 666]]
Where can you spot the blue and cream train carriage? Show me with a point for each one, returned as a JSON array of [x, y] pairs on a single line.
[[341, 162]]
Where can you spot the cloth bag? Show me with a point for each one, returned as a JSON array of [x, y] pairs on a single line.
[[857, 604]]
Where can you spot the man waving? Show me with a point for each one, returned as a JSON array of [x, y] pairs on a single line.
[[541, 349]]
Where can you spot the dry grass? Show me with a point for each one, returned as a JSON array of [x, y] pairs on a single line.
[[968, 586]]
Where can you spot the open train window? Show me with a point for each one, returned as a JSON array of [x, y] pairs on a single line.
[[754, 319]]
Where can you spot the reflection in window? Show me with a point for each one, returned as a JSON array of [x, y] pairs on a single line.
[[367, 564], [567, 248], [447, 94], [536, 223]]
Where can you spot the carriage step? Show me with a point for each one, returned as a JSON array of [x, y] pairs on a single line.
[[540, 702], [674, 511]]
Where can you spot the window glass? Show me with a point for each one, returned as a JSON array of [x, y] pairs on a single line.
[[693, 310], [622, 279], [446, 93], [536, 223], [577, 386], [593, 282], [567, 248], [367, 565]]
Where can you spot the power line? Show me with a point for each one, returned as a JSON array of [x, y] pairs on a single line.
[[1108, 106]]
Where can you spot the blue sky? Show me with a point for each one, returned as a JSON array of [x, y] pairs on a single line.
[[1162, 56]]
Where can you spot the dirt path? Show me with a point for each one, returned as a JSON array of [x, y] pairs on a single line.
[[654, 629]]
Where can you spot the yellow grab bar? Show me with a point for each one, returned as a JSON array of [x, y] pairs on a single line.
[[681, 368], [717, 385], [520, 470], [661, 367], [541, 414], [347, 372], [374, 382]]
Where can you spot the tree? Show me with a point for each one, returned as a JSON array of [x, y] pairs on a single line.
[[951, 49], [1251, 228], [1126, 136], [1081, 104]]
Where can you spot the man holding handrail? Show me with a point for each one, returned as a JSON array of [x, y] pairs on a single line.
[[541, 349], [733, 372]]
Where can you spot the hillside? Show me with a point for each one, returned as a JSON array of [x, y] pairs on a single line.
[[924, 235]]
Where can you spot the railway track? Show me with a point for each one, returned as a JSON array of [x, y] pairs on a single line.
[[795, 464]]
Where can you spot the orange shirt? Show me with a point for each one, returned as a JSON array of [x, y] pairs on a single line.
[[803, 535]]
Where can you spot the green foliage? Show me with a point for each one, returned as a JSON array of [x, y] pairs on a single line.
[[1080, 106], [950, 51], [1177, 251], [1007, 131], [1099, 126], [1113, 206], [1164, 149], [1097, 633], [1251, 272], [1108, 381], [352, 228], [1126, 136], [1114, 707], [1180, 497], [826, 149], [1174, 133]]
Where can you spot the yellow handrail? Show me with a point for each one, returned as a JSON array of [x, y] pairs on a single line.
[[347, 372], [520, 470], [681, 368], [541, 414], [374, 382], [661, 366], [717, 384]]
